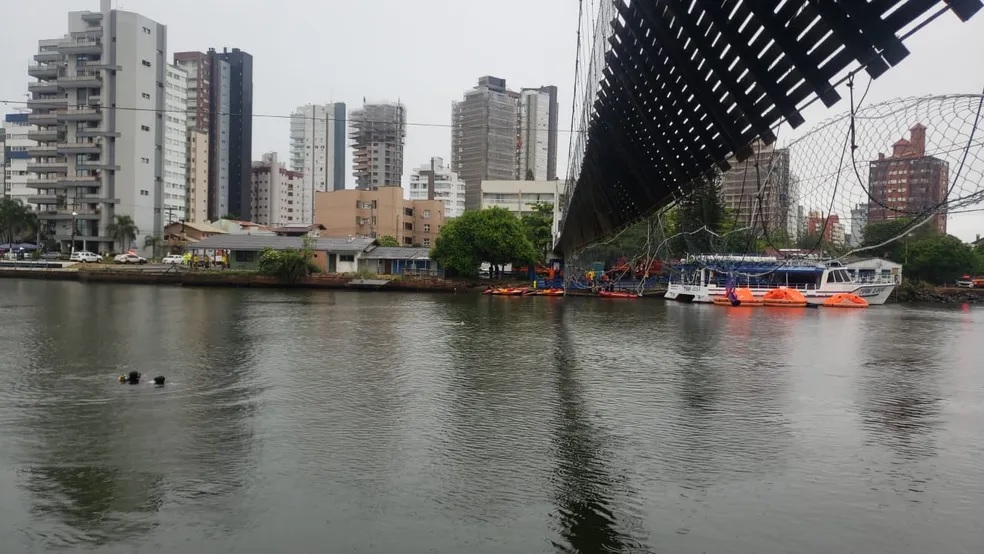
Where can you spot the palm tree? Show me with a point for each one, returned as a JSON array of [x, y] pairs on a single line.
[[16, 219], [153, 242], [123, 230]]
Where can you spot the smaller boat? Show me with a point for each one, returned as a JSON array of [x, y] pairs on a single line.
[[785, 298], [618, 294], [845, 300], [745, 299], [545, 292], [505, 291]]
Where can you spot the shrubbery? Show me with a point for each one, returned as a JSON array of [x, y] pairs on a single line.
[[288, 265]]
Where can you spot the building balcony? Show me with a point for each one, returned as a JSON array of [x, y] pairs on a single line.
[[81, 79], [74, 181], [43, 70], [47, 103], [98, 164], [42, 182], [80, 114], [90, 17], [42, 118], [81, 45], [67, 214], [45, 199], [42, 151], [48, 56], [47, 167], [42, 87], [96, 132], [101, 64], [79, 148], [43, 135]]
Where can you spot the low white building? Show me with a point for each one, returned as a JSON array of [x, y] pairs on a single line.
[[520, 197], [448, 188]]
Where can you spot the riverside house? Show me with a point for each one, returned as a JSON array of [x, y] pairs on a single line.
[[243, 251]]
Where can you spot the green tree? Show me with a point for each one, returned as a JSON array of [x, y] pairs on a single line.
[[234, 217], [388, 240], [699, 209], [894, 230], [492, 235], [17, 221], [538, 226], [939, 259], [154, 243], [123, 230], [289, 265]]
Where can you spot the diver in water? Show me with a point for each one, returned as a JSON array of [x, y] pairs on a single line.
[[132, 378]]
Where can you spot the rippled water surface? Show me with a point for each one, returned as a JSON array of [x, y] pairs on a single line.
[[347, 422]]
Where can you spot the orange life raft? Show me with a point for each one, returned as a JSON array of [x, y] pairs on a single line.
[[745, 296], [845, 300], [785, 298]]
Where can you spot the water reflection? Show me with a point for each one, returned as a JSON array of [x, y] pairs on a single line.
[[587, 509]]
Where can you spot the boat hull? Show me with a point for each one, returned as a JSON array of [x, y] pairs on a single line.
[[875, 293]]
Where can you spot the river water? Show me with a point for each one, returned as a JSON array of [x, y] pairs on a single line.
[[316, 421]]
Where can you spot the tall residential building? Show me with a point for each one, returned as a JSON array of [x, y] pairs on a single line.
[[378, 133], [498, 134], [15, 145], [859, 219], [536, 152], [829, 227], [317, 150], [175, 145], [198, 68], [196, 205], [221, 99], [275, 193], [378, 213], [909, 183], [92, 165], [436, 181], [759, 191]]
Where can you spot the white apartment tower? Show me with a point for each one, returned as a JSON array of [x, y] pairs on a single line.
[[275, 193], [92, 165], [533, 128], [175, 145], [15, 144], [198, 69], [436, 181], [317, 151]]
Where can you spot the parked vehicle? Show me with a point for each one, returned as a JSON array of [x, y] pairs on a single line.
[[84, 256], [129, 258], [51, 256], [174, 259]]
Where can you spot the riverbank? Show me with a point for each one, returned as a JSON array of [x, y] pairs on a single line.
[[911, 291], [234, 279]]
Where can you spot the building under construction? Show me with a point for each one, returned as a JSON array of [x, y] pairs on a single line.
[[378, 133]]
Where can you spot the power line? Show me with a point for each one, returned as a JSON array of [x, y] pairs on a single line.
[[288, 117]]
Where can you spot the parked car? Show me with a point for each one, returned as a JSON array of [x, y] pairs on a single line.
[[129, 259], [174, 259], [84, 256], [51, 256]]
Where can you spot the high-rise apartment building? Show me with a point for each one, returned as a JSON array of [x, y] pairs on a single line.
[[14, 145], [498, 134], [93, 164], [196, 206], [198, 68], [275, 193], [828, 227], [909, 183], [378, 133], [221, 99], [760, 193], [175, 145], [859, 220], [436, 181], [317, 151]]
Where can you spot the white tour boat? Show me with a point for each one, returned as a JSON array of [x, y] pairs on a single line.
[[704, 278]]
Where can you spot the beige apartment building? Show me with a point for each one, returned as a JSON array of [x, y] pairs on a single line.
[[377, 213], [197, 197]]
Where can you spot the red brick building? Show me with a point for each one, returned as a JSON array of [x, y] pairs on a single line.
[[908, 182], [829, 226]]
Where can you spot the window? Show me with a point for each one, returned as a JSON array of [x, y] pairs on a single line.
[[144, 128], [245, 257], [427, 242], [145, 160], [408, 226], [427, 228], [427, 214], [144, 193], [408, 212], [146, 30], [346, 257], [146, 63]]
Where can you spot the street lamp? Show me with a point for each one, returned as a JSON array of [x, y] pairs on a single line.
[[74, 215]]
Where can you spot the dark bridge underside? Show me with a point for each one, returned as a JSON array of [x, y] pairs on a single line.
[[691, 83]]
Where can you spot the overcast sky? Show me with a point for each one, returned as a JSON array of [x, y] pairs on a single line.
[[425, 53]]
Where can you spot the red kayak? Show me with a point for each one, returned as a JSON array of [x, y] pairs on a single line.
[[618, 294]]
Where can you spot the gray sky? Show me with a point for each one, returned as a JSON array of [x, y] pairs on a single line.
[[427, 53]]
